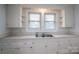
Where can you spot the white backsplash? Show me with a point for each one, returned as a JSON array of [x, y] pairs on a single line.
[[23, 31]]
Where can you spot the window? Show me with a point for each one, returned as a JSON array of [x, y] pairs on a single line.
[[34, 20], [49, 20]]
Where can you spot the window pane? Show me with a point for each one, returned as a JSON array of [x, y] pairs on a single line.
[[34, 17], [49, 25], [34, 25], [49, 17]]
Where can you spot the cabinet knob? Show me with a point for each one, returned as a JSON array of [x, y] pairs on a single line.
[[31, 47]]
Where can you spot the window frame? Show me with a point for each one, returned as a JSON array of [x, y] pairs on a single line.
[[34, 21], [50, 21]]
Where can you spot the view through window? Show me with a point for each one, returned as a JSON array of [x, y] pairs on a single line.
[[35, 21]]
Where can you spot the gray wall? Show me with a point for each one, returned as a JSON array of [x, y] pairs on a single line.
[[3, 29]]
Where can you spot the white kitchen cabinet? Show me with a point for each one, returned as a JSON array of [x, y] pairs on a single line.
[[69, 17], [39, 46], [66, 18], [14, 16]]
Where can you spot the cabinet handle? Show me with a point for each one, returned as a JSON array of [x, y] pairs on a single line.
[[31, 47]]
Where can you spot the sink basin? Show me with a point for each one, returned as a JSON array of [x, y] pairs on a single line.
[[44, 35]]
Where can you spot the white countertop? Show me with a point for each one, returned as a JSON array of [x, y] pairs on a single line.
[[65, 36], [33, 37]]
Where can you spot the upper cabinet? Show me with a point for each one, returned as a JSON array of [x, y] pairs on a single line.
[[69, 17], [14, 16], [66, 17]]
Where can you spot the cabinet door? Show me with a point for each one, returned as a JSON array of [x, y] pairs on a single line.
[[14, 13], [69, 17]]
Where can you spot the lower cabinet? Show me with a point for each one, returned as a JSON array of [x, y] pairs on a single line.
[[38, 47], [17, 51], [10, 50]]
